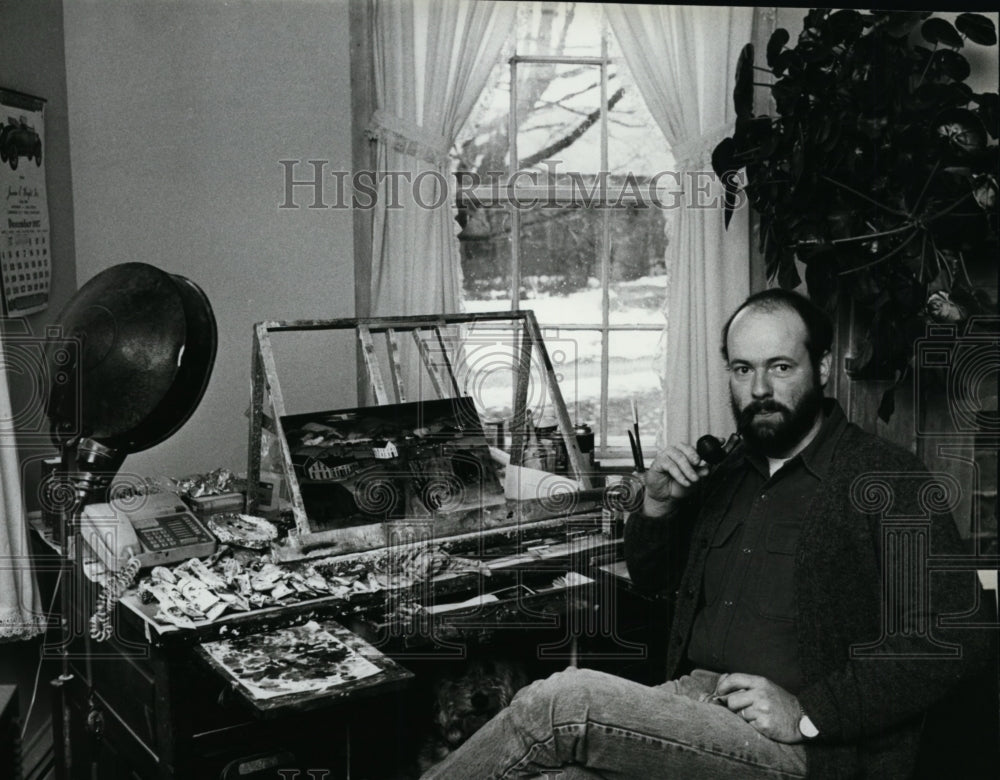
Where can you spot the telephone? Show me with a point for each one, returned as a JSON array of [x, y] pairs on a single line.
[[159, 530]]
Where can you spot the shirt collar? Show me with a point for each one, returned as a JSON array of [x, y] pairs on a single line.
[[817, 456]]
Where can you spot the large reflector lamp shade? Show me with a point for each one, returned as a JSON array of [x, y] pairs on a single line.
[[141, 346]]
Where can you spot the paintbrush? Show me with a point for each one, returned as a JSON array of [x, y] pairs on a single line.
[[636, 455], [637, 444]]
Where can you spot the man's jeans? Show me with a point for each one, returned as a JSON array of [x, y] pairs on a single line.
[[580, 724]]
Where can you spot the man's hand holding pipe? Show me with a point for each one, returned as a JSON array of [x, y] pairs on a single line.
[[670, 477]]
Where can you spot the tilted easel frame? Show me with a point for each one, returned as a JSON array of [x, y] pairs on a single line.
[[266, 387]]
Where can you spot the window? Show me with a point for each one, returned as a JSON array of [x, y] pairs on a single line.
[[572, 229]]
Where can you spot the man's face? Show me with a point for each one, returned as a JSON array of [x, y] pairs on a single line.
[[775, 391]]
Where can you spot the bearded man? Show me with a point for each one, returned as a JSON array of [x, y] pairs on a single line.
[[791, 652]]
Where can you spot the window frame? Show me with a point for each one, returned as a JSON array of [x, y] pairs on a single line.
[[565, 194]]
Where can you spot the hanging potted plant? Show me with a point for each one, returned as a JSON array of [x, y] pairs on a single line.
[[878, 171]]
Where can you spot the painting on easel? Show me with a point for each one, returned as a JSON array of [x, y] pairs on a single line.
[[416, 460]]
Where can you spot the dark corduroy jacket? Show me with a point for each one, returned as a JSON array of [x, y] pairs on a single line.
[[874, 655]]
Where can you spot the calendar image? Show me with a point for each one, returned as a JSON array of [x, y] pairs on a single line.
[[25, 260]]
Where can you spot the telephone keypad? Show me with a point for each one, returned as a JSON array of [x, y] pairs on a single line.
[[171, 531]]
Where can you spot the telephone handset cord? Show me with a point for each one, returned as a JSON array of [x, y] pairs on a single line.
[[111, 593]]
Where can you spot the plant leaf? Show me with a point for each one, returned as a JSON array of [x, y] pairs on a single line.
[[723, 157], [743, 91], [815, 53], [977, 28], [755, 134], [790, 62], [844, 25], [961, 131], [951, 64], [933, 95], [729, 198], [788, 274], [779, 38], [798, 163], [821, 276], [785, 93], [961, 93], [814, 19], [942, 31]]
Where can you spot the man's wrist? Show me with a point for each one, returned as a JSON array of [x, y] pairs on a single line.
[[654, 508]]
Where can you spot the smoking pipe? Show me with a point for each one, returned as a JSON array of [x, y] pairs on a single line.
[[713, 450]]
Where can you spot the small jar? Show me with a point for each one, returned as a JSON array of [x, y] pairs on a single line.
[[585, 443]]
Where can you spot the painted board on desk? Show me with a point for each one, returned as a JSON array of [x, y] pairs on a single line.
[[419, 460], [299, 667]]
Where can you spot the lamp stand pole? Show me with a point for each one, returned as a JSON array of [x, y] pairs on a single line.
[[87, 468]]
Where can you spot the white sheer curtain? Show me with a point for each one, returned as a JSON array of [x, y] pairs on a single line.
[[683, 59], [432, 61], [20, 608]]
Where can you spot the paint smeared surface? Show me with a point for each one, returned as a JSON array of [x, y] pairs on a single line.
[[297, 659]]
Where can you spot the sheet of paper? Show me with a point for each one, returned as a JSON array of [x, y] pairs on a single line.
[[523, 484], [475, 601]]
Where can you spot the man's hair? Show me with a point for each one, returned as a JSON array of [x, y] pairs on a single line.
[[819, 329]]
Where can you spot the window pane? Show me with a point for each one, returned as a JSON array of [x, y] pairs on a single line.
[[485, 357], [484, 244], [571, 29], [558, 118], [560, 255], [638, 280], [576, 361], [632, 376], [561, 263]]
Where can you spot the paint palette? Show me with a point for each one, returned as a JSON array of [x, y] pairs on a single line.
[[300, 664]]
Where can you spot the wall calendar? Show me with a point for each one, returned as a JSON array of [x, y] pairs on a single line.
[[25, 259]]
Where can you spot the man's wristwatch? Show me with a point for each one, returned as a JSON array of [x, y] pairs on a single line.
[[806, 727]]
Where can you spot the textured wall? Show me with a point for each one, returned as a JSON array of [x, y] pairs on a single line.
[[180, 112]]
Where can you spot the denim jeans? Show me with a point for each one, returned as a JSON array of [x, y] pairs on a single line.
[[581, 724]]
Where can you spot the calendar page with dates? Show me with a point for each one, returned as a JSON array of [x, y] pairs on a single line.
[[25, 259]]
